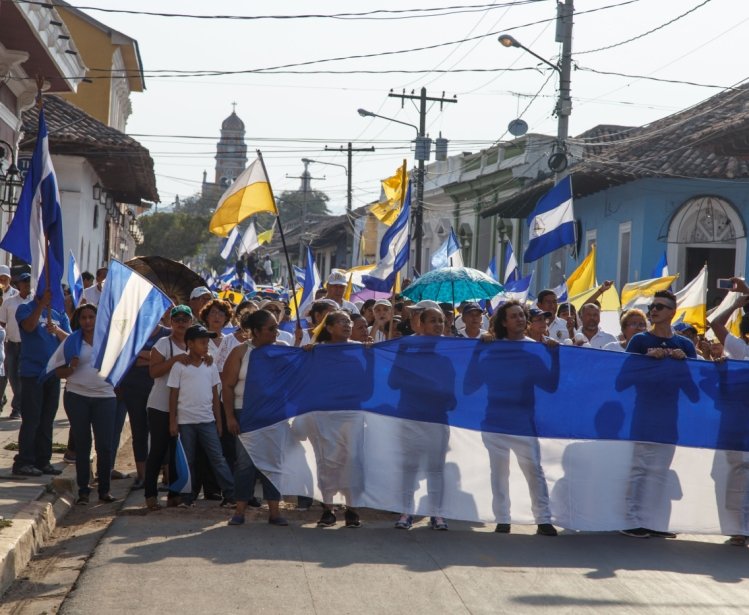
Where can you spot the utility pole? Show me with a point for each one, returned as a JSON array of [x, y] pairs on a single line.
[[564, 36], [423, 146], [350, 150], [306, 179]]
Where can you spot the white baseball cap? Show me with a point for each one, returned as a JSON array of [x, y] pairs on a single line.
[[426, 304], [337, 278], [4, 270]]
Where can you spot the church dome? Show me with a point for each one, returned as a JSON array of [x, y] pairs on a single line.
[[232, 123]]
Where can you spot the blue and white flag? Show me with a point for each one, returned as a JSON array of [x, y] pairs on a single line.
[[394, 249], [518, 289], [299, 275], [595, 453], [65, 353], [210, 282], [183, 481], [75, 281], [661, 269], [129, 309], [248, 284], [226, 252], [312, 282], [552, 224], [448, 254], [511, 264], [38, 222], [228, 277], [561, 292]]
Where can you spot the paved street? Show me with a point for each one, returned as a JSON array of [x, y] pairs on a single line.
[[165, 561]]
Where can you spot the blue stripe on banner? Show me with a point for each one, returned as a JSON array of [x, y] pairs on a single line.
[[548, 242], [516, 388]]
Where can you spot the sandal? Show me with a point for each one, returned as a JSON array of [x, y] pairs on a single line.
[[737, 541]]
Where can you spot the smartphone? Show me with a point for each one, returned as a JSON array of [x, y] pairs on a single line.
[[725, 283]]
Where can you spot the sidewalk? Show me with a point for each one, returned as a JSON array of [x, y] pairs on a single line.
[[32, 506]]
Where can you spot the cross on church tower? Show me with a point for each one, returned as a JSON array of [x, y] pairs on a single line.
[[234, 107]]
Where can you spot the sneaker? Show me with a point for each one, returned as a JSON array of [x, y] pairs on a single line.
[[737, 541], [138, 484], [352, 518], [404, 523], [82, 500], [254, 502], [546, 529], [502, 528], [327, 520], [27, 471], [438, 523], [107, 498], [279, 521], [657, 534], [51, 470], [185, 505], [69, 457], [117, 475], [15, 414], [228, 503], [636, 532], [153, 504], [215, 497], [236, 520]]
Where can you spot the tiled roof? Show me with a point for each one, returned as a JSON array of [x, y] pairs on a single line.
[[123, 165], [709, 140]]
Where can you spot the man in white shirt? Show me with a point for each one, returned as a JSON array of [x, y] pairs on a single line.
[[547, 302], [92, 294], [336, 286], [7, 290], [473, 318], [590, 315], [13, 341]]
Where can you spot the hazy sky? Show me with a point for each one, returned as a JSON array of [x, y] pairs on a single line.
[[291, 116]]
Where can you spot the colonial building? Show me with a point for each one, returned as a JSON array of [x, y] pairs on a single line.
[[231, 158]]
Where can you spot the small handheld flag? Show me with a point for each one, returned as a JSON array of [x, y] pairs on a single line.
[[75, 281]]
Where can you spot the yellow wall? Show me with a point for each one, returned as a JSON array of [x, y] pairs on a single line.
[[97, 50]]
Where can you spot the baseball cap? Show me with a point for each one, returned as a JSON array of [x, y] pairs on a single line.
[[198, 331], [535, 312], [471, 307], [426, 304], [337, 278], [24, 277], [384, 302], [181, 309], [199, 292], [681, 327], [5, 270]]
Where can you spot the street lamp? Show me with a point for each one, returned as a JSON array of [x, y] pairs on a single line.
[[422, 147], [345, 170], [365, 113], [558, 159]]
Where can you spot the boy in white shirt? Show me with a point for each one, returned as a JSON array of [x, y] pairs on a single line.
[[195, 412]]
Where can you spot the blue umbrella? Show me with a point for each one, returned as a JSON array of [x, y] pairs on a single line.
[[453, 285]]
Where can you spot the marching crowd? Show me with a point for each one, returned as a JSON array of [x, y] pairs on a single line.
[[189, 380]]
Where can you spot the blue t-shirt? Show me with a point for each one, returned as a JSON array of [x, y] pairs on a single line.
[[38, 346], [642, 342]]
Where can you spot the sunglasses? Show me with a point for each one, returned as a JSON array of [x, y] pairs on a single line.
[[659, 307]]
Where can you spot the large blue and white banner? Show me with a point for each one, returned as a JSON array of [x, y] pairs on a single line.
[[505, 432]]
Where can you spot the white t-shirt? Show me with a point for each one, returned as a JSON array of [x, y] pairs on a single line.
[[614, 346], [228, 343], [8, 315], [558, 329], [600, 339], [92, 294], [286, 337], [735, 348], [195, 384], [11, 292], [462, 333], [159, 396], [86, 379], [379, 335]]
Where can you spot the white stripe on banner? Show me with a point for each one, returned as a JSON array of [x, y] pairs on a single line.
[[429, 469], [123, 319], [551, 220]]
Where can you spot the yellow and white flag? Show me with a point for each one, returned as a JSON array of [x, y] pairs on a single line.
[[638, 294], [583, 278], [249, 194], [393, 187], [691, 302], [266, 236]]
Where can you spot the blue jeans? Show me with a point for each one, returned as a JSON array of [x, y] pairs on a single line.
[[38, 410], [119, 423], [206, 434], [245, 474], [85, 414]]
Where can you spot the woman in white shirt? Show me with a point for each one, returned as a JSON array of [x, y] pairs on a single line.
[[90, 404]]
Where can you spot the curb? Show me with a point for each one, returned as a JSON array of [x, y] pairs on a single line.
[[36, 521]]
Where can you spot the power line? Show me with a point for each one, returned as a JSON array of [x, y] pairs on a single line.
[[639, 36], [649, 78], [384, 14]]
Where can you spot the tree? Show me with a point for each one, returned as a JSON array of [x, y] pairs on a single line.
[[173, 235], [291, 203]]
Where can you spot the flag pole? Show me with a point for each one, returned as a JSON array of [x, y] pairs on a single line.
[[396, 282], [39, 106], [292, 273]]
